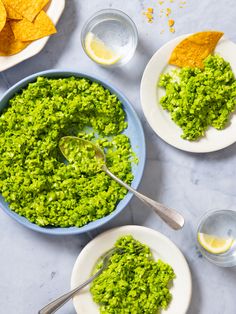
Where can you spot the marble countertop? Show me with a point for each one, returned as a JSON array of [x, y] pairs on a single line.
[[36, 268]]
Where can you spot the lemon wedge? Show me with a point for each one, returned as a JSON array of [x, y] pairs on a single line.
[[99, 52], [214, 244]]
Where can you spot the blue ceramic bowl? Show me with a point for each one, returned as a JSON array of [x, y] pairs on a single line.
[[134, 132]]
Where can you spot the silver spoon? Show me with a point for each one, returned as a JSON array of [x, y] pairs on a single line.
[[59, 302], [174, 219]]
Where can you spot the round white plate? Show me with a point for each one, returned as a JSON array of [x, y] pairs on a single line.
[[160, 120], [161, 247], [54, 11]]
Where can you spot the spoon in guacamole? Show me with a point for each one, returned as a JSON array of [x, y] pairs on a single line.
[[76, 149]]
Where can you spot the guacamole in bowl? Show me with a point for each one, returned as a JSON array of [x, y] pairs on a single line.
[[37, 187]]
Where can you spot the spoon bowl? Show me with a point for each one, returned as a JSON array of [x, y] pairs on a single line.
[[70, 145]]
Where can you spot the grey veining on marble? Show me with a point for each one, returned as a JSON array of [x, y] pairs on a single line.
[[35, 268]]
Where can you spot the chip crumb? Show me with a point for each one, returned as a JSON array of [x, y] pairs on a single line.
[[171, 22], [162, 31], [160, 12], [182, 4], [168, 11], [149, 14]]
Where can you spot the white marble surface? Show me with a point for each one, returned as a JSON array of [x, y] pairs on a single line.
[[35, 268]]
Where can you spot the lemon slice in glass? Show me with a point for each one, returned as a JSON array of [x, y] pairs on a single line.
[[214, 244], [99, 52]]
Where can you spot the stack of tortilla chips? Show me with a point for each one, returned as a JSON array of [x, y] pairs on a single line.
[[21, 22]]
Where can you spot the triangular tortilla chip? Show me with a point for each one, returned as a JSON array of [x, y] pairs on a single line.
[[3, 15], [27, 8], [194, 49], [8, 44], [11, 14], [42, 26]]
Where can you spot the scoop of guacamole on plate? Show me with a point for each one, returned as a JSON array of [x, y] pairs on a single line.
[[199, 98], [34, 177], [133, 282]]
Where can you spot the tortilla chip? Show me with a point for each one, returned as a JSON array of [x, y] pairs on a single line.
[[3, 15], [194, 49], [27, 8], [8, 44], [42, 26], [11, 14]]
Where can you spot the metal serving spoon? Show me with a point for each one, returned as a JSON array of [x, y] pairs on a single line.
[[174, 219], [59, 302]]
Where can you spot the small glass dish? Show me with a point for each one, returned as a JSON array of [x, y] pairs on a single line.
[[220, 224], [116, 31]]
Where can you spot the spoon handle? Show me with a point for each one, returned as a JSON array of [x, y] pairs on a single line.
[[56, 304], [170, 216]]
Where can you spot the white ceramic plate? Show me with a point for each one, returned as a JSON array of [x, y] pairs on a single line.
[[54, 11], [160, 120], [161, 247]]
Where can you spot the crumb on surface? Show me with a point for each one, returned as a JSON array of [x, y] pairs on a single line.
[[149, 14], [171, 22], [160, 12], [182, 4], [168, 11]]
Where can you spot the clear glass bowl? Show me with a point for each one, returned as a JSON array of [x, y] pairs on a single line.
[[221, 223], [116, 30]]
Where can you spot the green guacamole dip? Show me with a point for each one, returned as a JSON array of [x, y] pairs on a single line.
[[133, 282], [33, 176], [197, 99]]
